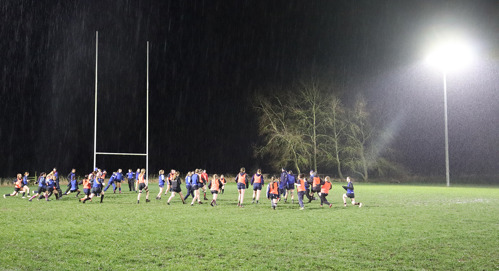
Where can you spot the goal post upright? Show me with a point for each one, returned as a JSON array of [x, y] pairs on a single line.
[[95, 103], [147, 115], [146, 154]]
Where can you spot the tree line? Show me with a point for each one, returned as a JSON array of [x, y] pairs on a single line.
[[310, 127]]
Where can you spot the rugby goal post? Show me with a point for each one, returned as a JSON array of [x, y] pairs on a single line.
[[146, 154]]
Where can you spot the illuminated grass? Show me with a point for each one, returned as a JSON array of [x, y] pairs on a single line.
[[400, 227]]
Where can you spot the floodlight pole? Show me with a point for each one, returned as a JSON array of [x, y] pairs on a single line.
[[95, 105], [447, 175]]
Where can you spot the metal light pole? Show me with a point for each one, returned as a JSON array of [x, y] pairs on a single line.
[[447, 175], [449, 54]]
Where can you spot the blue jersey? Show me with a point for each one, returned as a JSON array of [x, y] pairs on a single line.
[[96, 183], [349, 188], [187, 180], [194, 179], [129, 175], [161, 180], [42, 182], [25, 180], [113, 177], [291, 179], [74, 184], [284, 180], [137, 175], [50, 183], [119, 176]]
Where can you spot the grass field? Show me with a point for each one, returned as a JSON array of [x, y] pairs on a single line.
[[400, 227]]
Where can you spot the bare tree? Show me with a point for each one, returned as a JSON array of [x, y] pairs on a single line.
[[359, 145], [284, 143], [310, 108], [337, 129]]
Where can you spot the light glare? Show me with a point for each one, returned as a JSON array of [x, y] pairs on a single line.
[[451, 54]]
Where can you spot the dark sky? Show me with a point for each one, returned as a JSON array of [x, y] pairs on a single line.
[[208, 58]]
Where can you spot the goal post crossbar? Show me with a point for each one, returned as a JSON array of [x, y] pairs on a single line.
[[121, 153]]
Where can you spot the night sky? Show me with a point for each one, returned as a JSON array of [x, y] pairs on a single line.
[[209, 58]]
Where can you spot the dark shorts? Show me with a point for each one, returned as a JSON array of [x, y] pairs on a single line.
[[273, 196], [316, 188], [257, 186], [117, 181], [351, 195], [214, 191], [17, 189], [194, 187], [200, 185], [50, 189], [161, 185], [142, 186], [86, 191], [41, 190], [177, 190], [241, 186], [73, 190], [96, 190], [290, 186]]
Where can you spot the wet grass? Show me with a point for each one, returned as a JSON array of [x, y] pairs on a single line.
[[400, 227]]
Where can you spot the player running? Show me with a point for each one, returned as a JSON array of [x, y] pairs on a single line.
[[17, 187], [258, 183], [51, 187], [195, 187], [25, 188], [42, 186], [325, 191], [112, 179], [143, 185], [87, 186], [214, 185], [137, 174], [349, 194], [290, 187], [283, 181], [242, 184], [188, 185], [96, 188], [301, 189], [118, 180], [73, 184], [224, 181], [171, 176], [204, 182], [273, 192], [317, 183], [161, 183], [175, 183]]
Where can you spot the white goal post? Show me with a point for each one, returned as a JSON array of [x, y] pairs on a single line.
[[146, 154]]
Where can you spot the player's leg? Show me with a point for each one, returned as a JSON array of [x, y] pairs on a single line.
[[242, 196], [159, 194], [258, 193], [181, 197], [170, 198]]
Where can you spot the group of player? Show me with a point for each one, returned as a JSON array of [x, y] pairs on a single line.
[[278, 188]]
